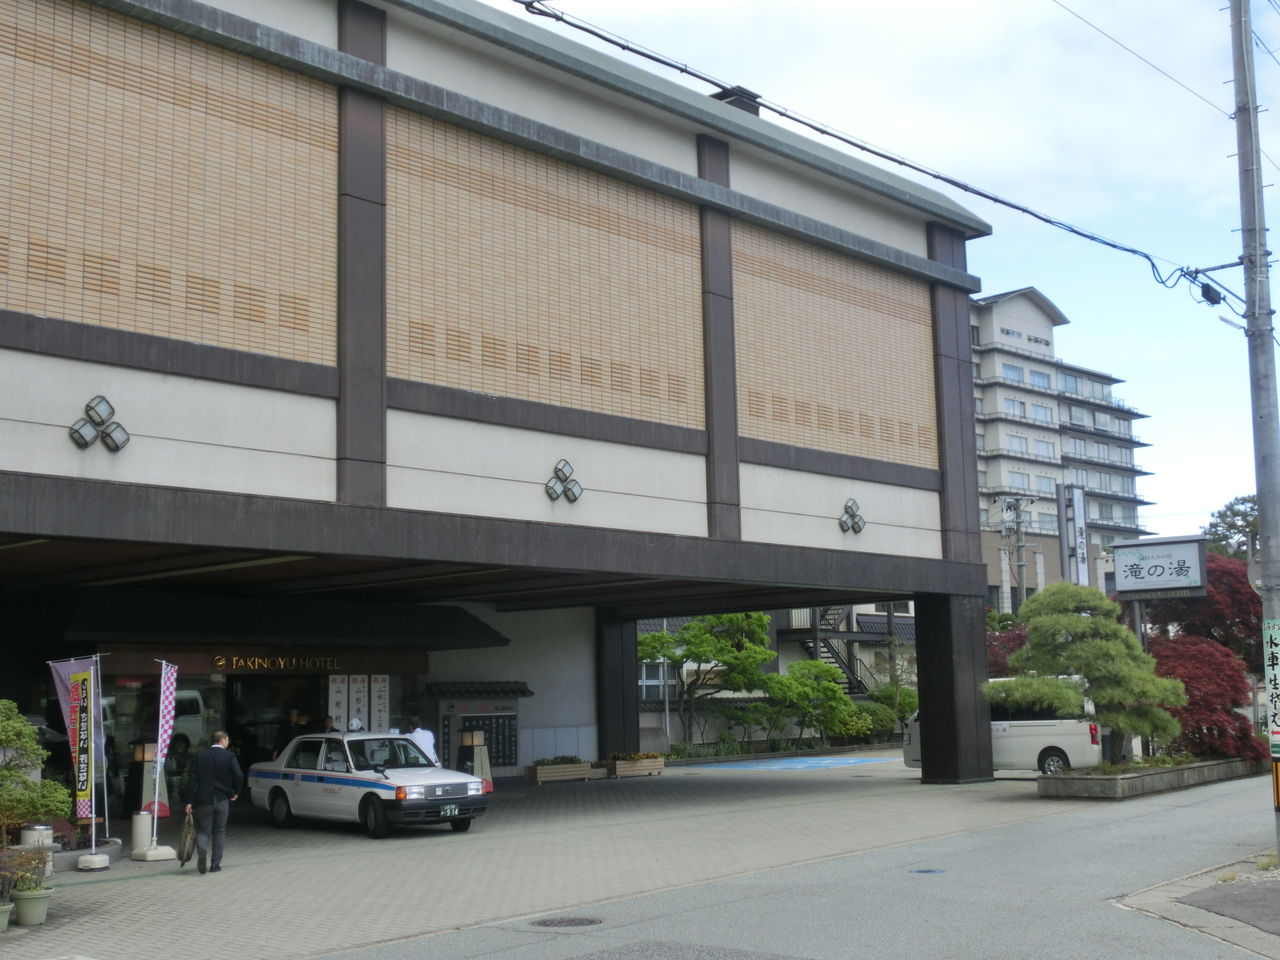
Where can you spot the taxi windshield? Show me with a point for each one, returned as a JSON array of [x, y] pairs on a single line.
[[386, 752]]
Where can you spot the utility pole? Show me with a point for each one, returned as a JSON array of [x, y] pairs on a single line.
[[1262, 371], [1014, 505]]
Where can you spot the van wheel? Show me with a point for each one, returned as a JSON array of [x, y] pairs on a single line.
[[1053, 760], [281, 815], [373, 817]]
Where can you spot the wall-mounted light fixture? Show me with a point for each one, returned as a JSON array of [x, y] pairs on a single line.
[[560, 483], [97, 422], [851, 520]]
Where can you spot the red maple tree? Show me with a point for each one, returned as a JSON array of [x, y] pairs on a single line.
[[1216, 684], [1231, 614], [1002, 643]]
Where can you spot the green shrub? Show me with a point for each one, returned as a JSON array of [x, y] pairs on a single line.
[[907, 697], [556, 761], [883, 719]]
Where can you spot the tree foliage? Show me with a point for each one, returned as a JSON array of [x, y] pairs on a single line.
[[1230, 614], [22, 800], [811, 693], [1061, 696], [1000, 645], [709, 654], [1233, 530], [1216, 684], [903, 701], [1073, 631]]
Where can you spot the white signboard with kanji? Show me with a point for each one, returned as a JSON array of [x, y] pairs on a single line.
[[1160, 566], [1271, 678]]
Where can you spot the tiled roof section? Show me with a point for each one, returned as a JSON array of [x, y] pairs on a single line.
[[478, 689], [657, 624], [904, 628]]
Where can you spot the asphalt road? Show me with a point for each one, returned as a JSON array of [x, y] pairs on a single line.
[[1042, 888]]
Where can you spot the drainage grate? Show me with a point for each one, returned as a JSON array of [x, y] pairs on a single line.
[[925, 870], [567, 922]]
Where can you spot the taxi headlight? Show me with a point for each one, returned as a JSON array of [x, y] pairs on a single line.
[[411, 793], [475, 787]]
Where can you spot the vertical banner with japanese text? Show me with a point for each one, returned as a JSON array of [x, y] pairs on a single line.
[[1271, 680], [80, 734]]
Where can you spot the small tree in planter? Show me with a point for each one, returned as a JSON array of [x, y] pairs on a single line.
[[22, 800]]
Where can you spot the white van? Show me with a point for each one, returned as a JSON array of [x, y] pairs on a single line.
[[1025, 740]]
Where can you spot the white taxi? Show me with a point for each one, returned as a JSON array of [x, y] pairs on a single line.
[[376, 779]]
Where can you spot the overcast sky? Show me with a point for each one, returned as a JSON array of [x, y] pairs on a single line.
[[1023, 99]]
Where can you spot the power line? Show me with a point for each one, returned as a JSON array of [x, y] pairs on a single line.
[[1168, 280], [1131, 51]]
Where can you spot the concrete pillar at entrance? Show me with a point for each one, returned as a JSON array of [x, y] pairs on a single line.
[[951, 664], [617, 690]]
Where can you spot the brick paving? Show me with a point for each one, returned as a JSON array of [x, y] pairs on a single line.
[[323, 888]]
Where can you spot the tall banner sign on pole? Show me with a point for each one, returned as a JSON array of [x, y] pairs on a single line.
[[80, 735], [1271, 681], [164, 733]]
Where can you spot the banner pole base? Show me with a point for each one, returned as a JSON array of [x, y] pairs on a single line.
[[154, 853], [94, 861]]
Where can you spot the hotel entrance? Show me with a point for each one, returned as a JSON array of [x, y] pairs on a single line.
[[258, 707]]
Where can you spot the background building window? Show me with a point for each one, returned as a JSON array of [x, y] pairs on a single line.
[[1011, 371], [651, 680], [1014, 408], [1042, 413], [1040, 379], [1016, 444], [1069, 382], [1019, 480], [1046, 484], [1044, 448]]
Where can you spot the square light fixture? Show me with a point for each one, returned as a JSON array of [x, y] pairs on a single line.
[[114, 436], [851, 507], [563, 471], [846, 522], [858, 524], [83, 433], [99, 410], [554, 488], [572, 491]]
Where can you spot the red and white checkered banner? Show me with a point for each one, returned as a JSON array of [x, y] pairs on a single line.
[[168, 693]]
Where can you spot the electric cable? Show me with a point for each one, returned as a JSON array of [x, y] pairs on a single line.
[[1168, 280]]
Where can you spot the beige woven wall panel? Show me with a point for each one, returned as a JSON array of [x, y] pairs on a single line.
[[833, 353], [152, 183], [515, 274]]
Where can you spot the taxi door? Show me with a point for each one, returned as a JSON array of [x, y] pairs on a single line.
[[336, 795], [298, 776]]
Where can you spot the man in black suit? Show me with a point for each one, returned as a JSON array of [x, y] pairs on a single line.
[[214, 781]]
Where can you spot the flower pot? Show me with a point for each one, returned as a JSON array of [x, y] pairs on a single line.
[[5, 910], [30, 907], [636, 768], [549, 772]]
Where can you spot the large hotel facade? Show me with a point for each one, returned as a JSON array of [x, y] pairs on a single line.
[[394, 358]]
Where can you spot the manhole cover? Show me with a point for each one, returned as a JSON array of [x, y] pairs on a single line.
[[566, 922]]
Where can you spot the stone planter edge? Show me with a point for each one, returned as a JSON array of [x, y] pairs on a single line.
[[1125, 786]]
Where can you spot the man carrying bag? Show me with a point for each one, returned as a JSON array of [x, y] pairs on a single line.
[[214, 781]]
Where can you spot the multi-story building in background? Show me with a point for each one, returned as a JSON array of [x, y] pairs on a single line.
[[1045, 426]]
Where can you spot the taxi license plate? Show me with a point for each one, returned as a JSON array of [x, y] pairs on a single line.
[[449, 810]]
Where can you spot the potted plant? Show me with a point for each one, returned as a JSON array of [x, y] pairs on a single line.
[[6, 885], [29, 892], [563, 767], [23, 798], [635, 764]]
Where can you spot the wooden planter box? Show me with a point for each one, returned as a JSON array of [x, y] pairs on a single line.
[[549, 772], [636, 768]]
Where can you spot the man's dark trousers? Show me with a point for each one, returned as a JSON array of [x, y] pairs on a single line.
[[211, 820]]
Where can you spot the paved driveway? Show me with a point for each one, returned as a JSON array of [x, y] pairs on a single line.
[[324, 888]]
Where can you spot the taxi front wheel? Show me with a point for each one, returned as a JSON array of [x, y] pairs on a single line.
[[373, 817]]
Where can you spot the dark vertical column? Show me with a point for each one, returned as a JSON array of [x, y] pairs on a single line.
[[955, 720], [953, 371], [362, 268], [724, 521], [617, 685]]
